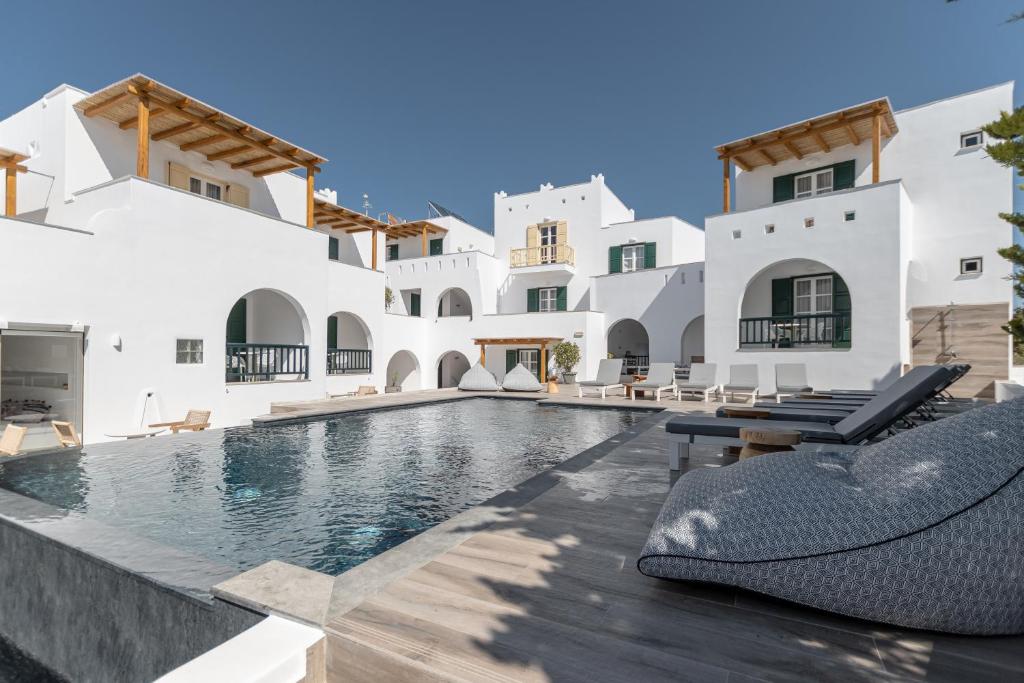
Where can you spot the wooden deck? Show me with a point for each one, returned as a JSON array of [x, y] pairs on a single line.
[[550, 591]]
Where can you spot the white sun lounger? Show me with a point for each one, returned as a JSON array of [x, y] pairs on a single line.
[[790, 380], [703, 381], [742, 380], [660, 377], [609, 373]]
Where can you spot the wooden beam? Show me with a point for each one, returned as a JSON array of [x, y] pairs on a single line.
[[175, 130], [424, 240], [839, 123], [202, 142], [792, 149], [821, 141], [106, 104], [142, 138], [373, 249], [11, 198], [252, 162], [310, 180], [742, 164], [273, 169], [768, 157], [885, 127], [847, 125], [726, 182], [217, 156], [130, 122], [876, 148]]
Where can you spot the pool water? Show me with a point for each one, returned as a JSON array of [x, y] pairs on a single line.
[[326, 494]]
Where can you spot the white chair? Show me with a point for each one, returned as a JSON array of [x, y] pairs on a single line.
[[703, 381], [790, 380], [609, 372], [660, 377], [743, 381]]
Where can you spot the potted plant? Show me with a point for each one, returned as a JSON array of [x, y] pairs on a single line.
[[389, 298], [567, 357], [393, 387]]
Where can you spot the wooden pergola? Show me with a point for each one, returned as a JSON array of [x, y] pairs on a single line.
[[849, 126], [413, 228], [158, 112], [10, 161], [543, 342], [335, 217]]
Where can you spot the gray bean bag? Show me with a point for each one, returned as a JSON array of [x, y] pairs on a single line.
[[520, 379], [478, 378], [924, 530]]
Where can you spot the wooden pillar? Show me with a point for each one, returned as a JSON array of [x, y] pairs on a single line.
[[483, 355], [310, 175], [726, 185], [876, 147], [543, 363], [142, 144], [373, 248], [11, 203], [424, 240]]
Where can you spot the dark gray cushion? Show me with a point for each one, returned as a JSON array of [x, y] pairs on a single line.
[[706, 425], [902, 396], [795, 414]]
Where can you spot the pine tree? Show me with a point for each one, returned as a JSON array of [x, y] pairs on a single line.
[[1009, 151]]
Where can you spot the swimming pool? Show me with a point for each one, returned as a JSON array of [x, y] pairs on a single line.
[[325, 494]]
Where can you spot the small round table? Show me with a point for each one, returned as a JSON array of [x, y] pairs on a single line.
[[761, 440]]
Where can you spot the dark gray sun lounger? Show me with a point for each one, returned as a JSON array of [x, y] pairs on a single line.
[[904, 396]]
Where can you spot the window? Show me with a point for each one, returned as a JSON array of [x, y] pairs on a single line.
[[195, 185], [205, 187], [632, 257], [813, 295], [548, 297], [391, 252], [189, 351], [213, 191], [769, 229], [530, 358], [970, 266], [973, 139], [548, 242], [816, 182], [849, 216], [414, 304], [437, 246]]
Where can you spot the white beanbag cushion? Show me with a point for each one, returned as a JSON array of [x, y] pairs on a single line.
[[478, 378], [520, 379]]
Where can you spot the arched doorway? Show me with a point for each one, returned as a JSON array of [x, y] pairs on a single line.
[[450, 369], [691, 343], [404, 371], [454, 302], [267, 338], [349, 345], [627, 339]]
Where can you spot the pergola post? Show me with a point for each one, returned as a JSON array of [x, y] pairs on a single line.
[[373, 248], [543, 363], [876, 147], [483, 355], [11, 203], [142, 138], [726, 185], [310, 175], [424, 240]]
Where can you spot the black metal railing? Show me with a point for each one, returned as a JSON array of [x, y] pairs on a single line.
[[791, 331], [349, 361], [634, 365], [266, 362]]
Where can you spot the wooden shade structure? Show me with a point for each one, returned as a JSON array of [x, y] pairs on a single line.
[[850, 126], [159, 112], [542, 342], [335, 217], [10, 161]]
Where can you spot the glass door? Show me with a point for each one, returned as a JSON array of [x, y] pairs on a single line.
[[530, 358], [548, 243]]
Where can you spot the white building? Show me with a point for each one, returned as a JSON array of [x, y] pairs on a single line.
[[864, 241], [162, 255]]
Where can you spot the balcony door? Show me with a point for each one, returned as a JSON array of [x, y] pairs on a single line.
[[812, 296], [548, 243]]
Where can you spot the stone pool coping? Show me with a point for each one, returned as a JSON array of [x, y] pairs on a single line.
[[315, 598]]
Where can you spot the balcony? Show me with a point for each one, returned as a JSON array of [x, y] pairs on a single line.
[[349, 361], [550, 255], [824, 330], [266, 362]]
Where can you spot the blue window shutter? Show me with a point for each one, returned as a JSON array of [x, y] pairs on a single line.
[[615, 259], [651, 255], [783, 187], [414, 304], [532, 300], [843, 175], [561, 299], [842, 308], [511, 359], [332, 332], [782, 296], [236, 323], [332, 248]]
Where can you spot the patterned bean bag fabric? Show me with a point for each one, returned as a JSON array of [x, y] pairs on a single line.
[[520, 379], [478, 378], [924, 529]]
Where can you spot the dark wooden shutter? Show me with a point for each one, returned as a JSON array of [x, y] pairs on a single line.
[[532, 300], [332, 332], [414, 304], [437, 246], [783, 187], [843, 175], [651, 255], [782, 296], [511, 359], [236, 323], [561, 299], [615, 259], [332, 248], [841, 305]]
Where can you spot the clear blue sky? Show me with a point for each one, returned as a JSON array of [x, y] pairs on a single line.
[[452, 101]]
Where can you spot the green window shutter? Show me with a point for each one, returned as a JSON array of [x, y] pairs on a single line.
[[437, 246], [236, 323], [414, 304], [561, 299], [615, 259], [332, 332], [511, 358], [332, 248], [532, 300], [783, 187], [841, 305], [782, 296], [651, 255], [392, 253], [843, 175]]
